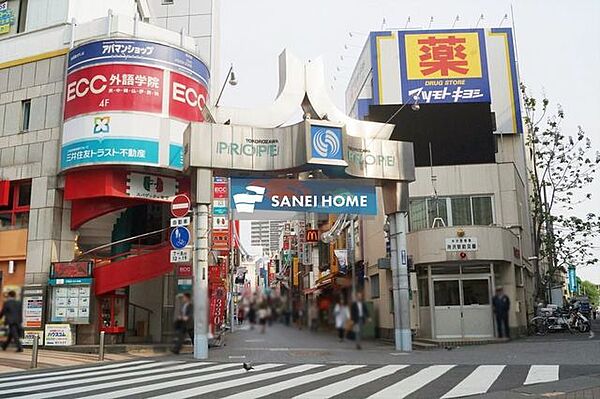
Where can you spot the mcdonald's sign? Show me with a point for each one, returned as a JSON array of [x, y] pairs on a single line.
[[312, 235]]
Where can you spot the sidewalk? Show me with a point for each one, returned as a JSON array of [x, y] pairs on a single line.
[[11, 361]]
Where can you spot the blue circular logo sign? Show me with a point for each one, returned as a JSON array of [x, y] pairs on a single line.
[[180, 237]]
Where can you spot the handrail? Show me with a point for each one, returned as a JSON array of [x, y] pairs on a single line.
[[135, 305], [110, 244]]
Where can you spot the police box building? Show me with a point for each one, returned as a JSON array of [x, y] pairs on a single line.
[[454, 94]]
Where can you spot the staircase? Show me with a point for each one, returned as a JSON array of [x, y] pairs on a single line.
[[98, 231]]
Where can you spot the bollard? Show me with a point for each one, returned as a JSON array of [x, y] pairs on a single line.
[[101, 347], [34, 352]]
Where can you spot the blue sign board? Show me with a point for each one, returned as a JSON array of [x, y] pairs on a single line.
[[180, 237], [320, 196], [138, 52], [326, 142], [572, 280]]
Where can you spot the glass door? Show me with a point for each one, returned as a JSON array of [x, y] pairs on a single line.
[[477, 308], [447, 308]]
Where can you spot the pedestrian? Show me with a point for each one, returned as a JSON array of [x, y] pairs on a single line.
[[13, 317], [263, 314], [184, 323], [342, 316], [501, 305], [252, 313], [360, 315], [313, 316]]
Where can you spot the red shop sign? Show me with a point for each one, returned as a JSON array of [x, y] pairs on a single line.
[[115, 87], [70, 269], [187, 98]]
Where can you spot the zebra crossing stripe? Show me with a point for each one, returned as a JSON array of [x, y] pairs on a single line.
[[346, 385], [132, 391], [188, 393], [14, 378], [92, 380], [479, 381], [57, 376], [541, 373], [283, 385], [412, 383]]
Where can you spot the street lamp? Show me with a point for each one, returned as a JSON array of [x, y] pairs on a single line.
[[230, 78]]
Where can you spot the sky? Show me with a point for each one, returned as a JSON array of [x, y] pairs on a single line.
[[557, 44]]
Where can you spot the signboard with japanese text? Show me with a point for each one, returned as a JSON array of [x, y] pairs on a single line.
[[59, 335], [33, 308], [118, 87], [114, 86], [151, 186], [180, 256], [460, 244], [30, 335], [70, 269], [70, 300], [445, 66]]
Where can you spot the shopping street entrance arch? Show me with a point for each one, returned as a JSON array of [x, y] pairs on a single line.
[[350, 156]]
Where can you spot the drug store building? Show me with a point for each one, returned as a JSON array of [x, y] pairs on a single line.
[[469, 224]]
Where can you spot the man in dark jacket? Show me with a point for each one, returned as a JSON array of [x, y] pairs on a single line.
[[359, 315], [184, 324], [501, 305], [13, 317]]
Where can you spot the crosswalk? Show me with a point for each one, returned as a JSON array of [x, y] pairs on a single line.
[[178, 378]]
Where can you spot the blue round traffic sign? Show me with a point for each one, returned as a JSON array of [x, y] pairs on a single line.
[[180, 237]]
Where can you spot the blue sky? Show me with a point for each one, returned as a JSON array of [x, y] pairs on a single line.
[[557, 42]]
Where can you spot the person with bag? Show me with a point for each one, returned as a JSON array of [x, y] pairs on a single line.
[[13, 318], [342, 316]]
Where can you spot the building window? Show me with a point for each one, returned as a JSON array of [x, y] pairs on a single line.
[[375, 286], [22, 22], [15, 213], [423, 292], [25, 114], [451, 211]]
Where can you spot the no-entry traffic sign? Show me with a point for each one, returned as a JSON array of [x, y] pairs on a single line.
[[180, 206]]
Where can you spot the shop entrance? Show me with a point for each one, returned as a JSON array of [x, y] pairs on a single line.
[[462, 306]]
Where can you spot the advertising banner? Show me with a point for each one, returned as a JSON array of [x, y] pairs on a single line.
[[133, 51], [29, 336], [572, 276], [118, 87], [151, 186], [319, 196], [58, 335], [7, 17], [438, 66], [129, 102], [119, 138], [70, 300], [445, 66], [33, 308]]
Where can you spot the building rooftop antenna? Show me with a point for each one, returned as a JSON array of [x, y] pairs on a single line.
[[481, 18], [430, 22], [456, 19]]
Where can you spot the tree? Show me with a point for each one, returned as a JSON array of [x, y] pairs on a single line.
[[563, 166], [591, 290]]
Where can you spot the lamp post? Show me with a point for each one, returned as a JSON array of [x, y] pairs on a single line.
[[230, 78]]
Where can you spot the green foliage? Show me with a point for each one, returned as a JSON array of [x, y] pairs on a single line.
[[565, 165], [588, 288]]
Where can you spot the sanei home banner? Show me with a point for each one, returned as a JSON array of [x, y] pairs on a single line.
[[320, 196]]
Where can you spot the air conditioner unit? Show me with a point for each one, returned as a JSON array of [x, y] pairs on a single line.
[[167, 2]]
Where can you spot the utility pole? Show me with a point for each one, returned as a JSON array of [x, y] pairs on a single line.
[[201, 184], [395, 197]]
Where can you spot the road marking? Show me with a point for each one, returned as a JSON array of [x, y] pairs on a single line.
[[479, 381], [204, 389], [86, 374], [283, 385], [160, 385], [101, 382], [592, 335], [237, 357], [541, 373], [413, 383], [74, 371], [350, 383]]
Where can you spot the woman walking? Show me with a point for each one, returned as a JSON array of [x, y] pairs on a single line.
[[342, 315]]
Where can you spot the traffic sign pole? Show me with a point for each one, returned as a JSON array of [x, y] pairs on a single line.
[[200, 289]]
